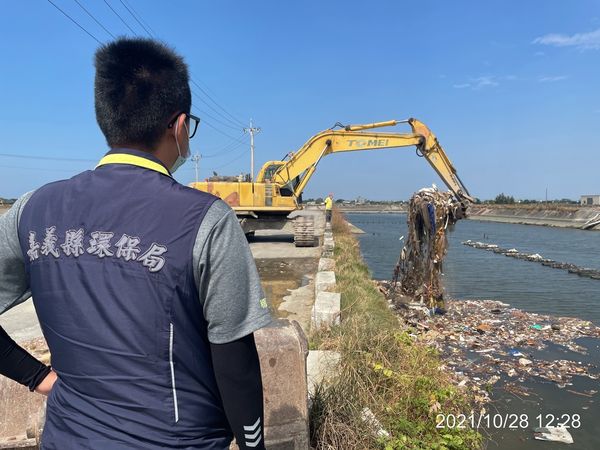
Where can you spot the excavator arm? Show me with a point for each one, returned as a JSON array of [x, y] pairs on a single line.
[[304, 162]]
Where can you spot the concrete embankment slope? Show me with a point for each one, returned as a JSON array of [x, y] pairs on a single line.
[[566, 217]]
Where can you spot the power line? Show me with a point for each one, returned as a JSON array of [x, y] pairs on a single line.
[[119, 16], [233, 146], [99, 42], [232, 119], [235, 124], [203, 112], [207, 123], [47, 158], [214, 118], [141, 18], [76, 23], [192, 80], [222, 165], [221, 132], [215, 102], [136, 19], [230, 162], [43, 169], [95, 20], [229, 124]]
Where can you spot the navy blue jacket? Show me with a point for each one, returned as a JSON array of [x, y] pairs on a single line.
[[109, 259]]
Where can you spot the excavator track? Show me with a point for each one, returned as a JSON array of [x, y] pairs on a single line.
[[304, 231]]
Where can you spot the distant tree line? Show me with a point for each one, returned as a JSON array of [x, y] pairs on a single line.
[[500, 199], [503, 199]]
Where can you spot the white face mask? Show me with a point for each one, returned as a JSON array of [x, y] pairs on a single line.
[[180, 159]]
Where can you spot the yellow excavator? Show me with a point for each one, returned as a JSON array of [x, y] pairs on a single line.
[[269, 201]]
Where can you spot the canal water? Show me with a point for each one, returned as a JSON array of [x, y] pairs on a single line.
[[477, 274]]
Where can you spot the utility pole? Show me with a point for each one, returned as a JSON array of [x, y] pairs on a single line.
[[252, 130], [196, 159]]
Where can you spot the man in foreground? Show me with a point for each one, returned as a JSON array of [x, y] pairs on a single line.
[[146, 290]]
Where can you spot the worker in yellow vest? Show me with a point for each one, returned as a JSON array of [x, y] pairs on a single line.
[[328, 207]]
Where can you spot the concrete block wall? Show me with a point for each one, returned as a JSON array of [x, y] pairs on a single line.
[[323, 365], [283, 349], [326, 310], [283, 352]]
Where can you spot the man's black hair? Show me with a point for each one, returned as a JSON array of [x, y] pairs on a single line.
[[140, 85]]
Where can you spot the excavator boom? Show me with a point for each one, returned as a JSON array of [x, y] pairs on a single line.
[[303, 163]]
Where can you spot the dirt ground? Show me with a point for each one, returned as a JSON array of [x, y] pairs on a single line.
[[289, 287], [287, 274]]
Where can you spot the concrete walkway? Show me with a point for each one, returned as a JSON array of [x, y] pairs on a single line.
[[21, 322]]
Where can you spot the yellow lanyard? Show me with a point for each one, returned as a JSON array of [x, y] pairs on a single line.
[[123, 158]]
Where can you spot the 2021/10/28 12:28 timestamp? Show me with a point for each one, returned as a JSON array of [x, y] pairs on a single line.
[[509, 420]]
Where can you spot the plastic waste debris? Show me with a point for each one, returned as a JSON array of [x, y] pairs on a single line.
[[554, 434], [430, 214], [369, 418], [487, 338]]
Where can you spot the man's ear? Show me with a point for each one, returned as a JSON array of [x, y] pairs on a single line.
[[179, 128]]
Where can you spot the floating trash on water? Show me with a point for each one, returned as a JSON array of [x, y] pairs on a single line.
[[536, 257], [554, 434], [486, 339]]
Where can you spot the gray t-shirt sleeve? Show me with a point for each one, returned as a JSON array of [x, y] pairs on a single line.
[[14, 287], [232, 298]]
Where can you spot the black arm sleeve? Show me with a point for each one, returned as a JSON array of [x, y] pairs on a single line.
[[18, 365], [237, 370]]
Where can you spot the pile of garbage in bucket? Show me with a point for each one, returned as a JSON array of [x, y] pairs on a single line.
[[431, 214], [534, 257]]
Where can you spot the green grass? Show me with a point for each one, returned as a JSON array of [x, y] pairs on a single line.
[[383, 368]]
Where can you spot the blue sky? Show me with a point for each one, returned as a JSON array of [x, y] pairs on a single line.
[[509, 87]]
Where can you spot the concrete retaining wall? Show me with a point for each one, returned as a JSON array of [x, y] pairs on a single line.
[[322, 365], [567, 218], [283, 349], [326, 310]]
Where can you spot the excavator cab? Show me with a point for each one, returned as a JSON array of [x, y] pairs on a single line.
[[269, 171], [267, 175]]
